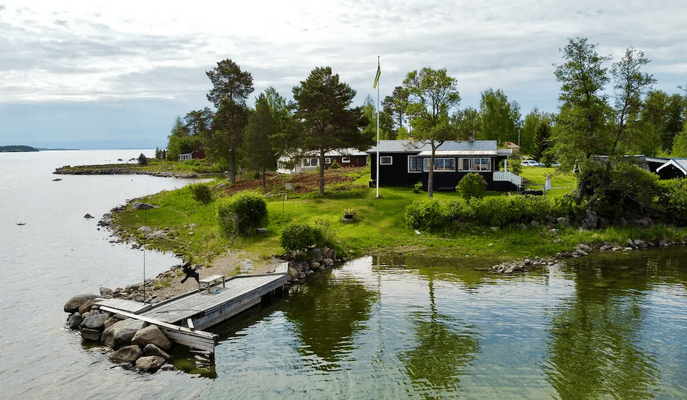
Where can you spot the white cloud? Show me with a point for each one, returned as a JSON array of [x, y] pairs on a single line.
[[83, 51]]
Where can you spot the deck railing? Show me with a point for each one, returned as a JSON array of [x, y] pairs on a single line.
[[501, 176]]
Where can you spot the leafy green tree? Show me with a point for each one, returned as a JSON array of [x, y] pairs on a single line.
[[467, 123], [231, 88], [259, 132], [395, 106], [499, 119], [529, 129], [181, 141], [542, 141], [432, 94], [386, 122], [630, 85], [199, 122], [327, 121], [663, 116], [581, 129], [680, 143]]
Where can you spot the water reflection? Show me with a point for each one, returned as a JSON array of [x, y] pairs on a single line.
[[441, 351], [327, 314], [596, 338]]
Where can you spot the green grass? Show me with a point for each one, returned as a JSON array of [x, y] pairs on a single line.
[[562, 183], [378, 226]]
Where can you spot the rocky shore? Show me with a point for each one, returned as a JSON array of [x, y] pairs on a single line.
[[109, 170], [582, 250], [130, 343]]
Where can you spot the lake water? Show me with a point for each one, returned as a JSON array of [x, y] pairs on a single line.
[[603, 326]]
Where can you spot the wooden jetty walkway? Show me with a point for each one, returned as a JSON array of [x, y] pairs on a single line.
[[181, 317]]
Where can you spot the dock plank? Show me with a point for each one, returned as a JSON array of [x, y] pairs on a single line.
[[198, 304]]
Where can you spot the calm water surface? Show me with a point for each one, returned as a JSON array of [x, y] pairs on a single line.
[[600, 327]]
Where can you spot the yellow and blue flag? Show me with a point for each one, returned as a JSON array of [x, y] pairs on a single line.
[[379, 72]]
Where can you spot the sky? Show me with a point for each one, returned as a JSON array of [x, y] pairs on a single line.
[[103, 75]]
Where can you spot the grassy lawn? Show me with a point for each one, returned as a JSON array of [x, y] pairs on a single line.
[[378, 225]]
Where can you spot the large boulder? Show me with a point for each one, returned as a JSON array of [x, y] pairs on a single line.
[[95, 321], [591, 220], [77, 301], [150, 363], [152, 350], [106, 292], [151, 335], [127, 354], [142, 206], [90, 334], [87, 306], [74, 320], [121, 333]]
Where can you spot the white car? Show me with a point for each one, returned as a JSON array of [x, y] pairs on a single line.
[[530, 163]]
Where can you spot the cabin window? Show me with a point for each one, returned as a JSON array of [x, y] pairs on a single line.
[[327, 160], [345, 159], [310, 162], [475, 164], [414, 164], [385, 160], [440, 164]]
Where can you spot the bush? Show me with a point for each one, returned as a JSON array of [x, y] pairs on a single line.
[[335, 165], [472, 185], [241, 213], [201, 192], [424, 213], [300, 236], [672, 201], [417, 188], [142, 160]]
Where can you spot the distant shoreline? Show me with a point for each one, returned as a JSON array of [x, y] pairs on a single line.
[[17, 149]]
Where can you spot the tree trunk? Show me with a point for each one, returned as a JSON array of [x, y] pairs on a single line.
[[321, 191], [430, 179], [580, 191], [263, 175], [232, 170]]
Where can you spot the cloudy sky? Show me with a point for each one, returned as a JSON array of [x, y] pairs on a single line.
[[91, 75]]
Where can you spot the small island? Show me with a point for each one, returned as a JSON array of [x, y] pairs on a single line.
[[17, 149]]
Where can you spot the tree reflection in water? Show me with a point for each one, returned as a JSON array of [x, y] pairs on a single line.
[[595, 346], [441, 352], [327, 315]]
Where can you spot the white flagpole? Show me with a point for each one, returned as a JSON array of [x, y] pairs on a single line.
[[378, 131]]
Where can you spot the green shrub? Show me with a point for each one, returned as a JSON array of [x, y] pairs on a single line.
[[241, 213], [335, 165], [425, 213], [201, 192], [672, 201], [300, 236], [417, 188], [472, 185], [142, 160]]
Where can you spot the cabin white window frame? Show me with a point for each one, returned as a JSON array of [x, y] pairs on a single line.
[[327, 160], [475, 164], [440, 164], [310, 162], [386, 160], [345, 160], [415, 165]]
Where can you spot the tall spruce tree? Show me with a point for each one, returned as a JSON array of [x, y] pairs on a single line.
[[260, 130]]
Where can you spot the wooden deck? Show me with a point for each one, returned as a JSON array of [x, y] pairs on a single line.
[[181, 316]]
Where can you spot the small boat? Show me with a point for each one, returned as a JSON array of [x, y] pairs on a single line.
[[21, 223]]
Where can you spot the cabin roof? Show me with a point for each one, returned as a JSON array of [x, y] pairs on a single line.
[[411, 146]]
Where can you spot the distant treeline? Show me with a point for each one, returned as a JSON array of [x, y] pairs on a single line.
[[17, 148]]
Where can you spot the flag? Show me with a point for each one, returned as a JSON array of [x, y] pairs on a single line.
[[379, 72]]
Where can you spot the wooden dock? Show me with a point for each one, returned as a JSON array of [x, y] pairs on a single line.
[[182, 317]]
